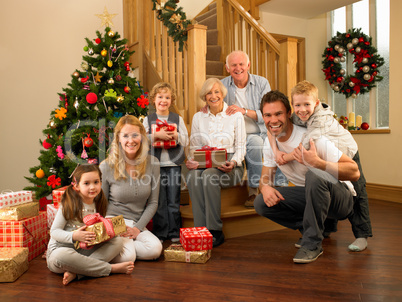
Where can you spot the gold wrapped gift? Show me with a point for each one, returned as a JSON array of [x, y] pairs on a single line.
[[13, 263], [20, 212], [175, 252], [119, 227], [210, 158]]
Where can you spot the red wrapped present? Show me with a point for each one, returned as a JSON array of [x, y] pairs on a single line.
[[15, 198], [196, 239], [44, 201], [167, 127], [209, 157], [57, 195], [51, 211], [30, 233]]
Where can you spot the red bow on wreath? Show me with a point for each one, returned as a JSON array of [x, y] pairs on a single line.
[[358, 84], [361, 55]]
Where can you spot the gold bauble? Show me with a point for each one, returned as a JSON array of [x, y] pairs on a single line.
[[110, 34], [109, 63], [104, 53], [52, 124], [76, 74], [141, 118], [40, 173]]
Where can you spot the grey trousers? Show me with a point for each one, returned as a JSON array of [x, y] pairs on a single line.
[[306, 208], [204, 186], [93, 262]]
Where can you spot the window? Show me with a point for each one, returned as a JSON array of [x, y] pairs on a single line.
[[372, 16]]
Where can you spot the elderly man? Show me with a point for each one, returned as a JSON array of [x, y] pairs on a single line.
[[245, 92], [321, 176]]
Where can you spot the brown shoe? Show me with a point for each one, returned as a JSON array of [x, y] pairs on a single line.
[[250, 202]]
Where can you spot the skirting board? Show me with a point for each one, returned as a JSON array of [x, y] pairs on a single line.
[[384, 192]]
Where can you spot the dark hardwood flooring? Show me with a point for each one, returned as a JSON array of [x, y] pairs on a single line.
[[251, 268]]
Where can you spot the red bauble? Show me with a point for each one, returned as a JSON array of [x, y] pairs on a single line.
[[92, 98], [84, 80], [361, 39], [97, 40], [46, 145], [118, 78], [126, 64], [127, 89], [88, 142], [364, 126]]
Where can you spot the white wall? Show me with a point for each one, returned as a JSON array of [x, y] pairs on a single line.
[[42, 44]]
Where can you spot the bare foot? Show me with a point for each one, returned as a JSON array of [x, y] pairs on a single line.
[[123, 268], [68, 277]]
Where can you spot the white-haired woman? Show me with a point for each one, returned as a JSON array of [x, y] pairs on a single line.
[[131, 184], [214, 128]]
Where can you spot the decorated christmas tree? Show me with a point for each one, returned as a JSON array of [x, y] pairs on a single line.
[[81, 126]]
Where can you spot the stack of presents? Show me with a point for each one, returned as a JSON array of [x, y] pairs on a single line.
[[24, 231]]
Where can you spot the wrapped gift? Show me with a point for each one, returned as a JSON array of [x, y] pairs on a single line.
[[30, 233], [44, 201], [209, 157], [13, 263], [15, 198], [51, 211], [104, 228], [176, 252], [20, 212], [57, 193], [196, 239], [167, 127]]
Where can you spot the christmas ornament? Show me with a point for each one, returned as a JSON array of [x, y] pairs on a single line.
[[109, 63], [53, 181], [364, 126], [88, 142], [127, 89], [120, 98], [92, 161], [98, 77], [52, 124], [91, 52], [364, 78], [91, 98], [76, 74], [98, 40], [106, 18], [52, 170], [84, 154], [110, 93], [85, 48], [84, 65], [141, 118], [59, 151], [118, 78], [40, 173], [84, 80], [110, 81], [110, 34], [118, 114], [76, 103], [61, 113], [142, 101], [104, 53], [46, 145]]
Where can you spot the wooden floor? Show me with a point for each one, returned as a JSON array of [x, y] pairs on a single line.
[[251, 268]]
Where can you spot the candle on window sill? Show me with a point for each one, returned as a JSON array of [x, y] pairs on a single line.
[[358, 120], [351, 119]]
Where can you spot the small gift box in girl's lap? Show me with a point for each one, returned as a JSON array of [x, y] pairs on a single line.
[[210, 157], [15, 198], [196, 239], [176, 253], [167, 127], [13, 263], [104, 229]]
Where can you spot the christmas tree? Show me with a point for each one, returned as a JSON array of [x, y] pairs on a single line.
[[81, 127]]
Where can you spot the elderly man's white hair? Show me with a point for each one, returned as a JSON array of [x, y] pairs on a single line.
[[237, 52]]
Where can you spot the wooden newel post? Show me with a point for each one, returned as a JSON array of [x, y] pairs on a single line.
[[196, 52], [287, 65]]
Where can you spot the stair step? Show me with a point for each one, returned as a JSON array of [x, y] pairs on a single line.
[[214, 68], [213, 52], [206, 15], [212, 37], [211, 22]]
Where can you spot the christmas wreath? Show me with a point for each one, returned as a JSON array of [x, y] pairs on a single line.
[[173, 18], [366, 63]]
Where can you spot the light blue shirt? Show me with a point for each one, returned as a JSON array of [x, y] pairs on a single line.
[[256, 88]]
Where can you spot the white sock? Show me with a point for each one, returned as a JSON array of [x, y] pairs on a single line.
[[360, 244]]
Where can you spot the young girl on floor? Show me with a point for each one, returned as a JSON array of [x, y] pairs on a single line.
[[83, 197]]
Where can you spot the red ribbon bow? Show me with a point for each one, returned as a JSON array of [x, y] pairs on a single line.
[[208, 151], [362, 54], [162, 124], [358, 85], [91, 219]]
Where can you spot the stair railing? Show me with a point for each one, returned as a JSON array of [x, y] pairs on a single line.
[[157, 57]]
